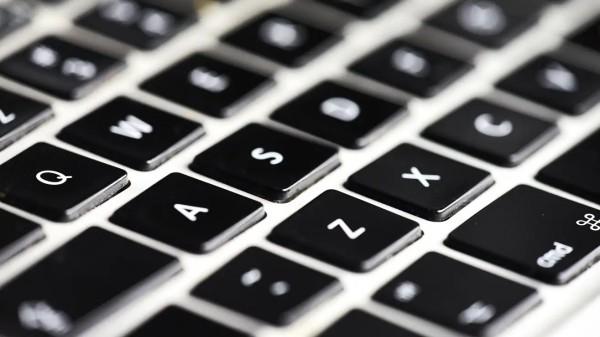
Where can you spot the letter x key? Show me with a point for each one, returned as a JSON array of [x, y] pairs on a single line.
[[424, 179], [420, 182]]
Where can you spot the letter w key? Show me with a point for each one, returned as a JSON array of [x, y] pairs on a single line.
[[132, 127], [350, 233]]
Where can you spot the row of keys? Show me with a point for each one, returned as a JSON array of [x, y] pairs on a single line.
[[39, 302], [120, 136], [216, 87], [62, 186], [258, 159], [136, 22], [72, 71], [333, 106], [476, 303], [266, 287], [485, 301]]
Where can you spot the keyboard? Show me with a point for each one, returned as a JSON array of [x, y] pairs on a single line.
[[313, 168]]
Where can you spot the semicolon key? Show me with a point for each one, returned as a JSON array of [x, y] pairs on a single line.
[[267, 287]]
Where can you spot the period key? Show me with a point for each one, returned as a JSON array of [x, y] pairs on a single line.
[[533, 232]]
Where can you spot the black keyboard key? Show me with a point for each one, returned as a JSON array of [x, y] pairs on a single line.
[[362, 8], [19, 116], [267, 287], [281, 39], [189, 214], [76, 285], [576, 171], [420, 182], [51, 2], [358, 323], [57, 184], [208, 85], [555, 84], [407, 67], [345, 231], [588, 36], [456, 295], [16, 234], [60, 68], [14, 15], [267, 162], [184, 323], [339, 114], [493, 133], [492, 23], [132, 133], [136, 22], [532, 232]]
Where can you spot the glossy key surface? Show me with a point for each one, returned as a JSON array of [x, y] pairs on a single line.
[[207, 84], [136, 22], [414, 69], [554, 83], [184, 323], [576, 171], [420, 182], [132, 133], [189, 214], [60, 67], [362, 9], [281, 39], [345, 231], [492, 23], [267, 287], [535, 233], [358, 323], [19, 116], [456, 295], [267, 162], [57, 184], [491, 132], [70, 289], [16, 234], [340, 114]]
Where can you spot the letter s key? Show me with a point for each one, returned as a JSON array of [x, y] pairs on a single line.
[[275, 158]]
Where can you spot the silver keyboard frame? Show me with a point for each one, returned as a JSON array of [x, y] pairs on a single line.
[[559, 302]]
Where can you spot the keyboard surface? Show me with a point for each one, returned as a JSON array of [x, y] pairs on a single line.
[[319, 113]]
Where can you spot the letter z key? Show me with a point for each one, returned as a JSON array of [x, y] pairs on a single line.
[[346, 231]]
